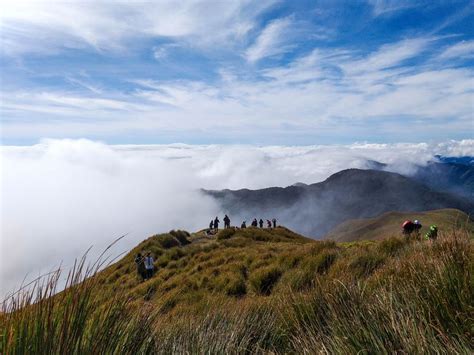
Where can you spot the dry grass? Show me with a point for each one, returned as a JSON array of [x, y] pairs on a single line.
[[257, 292]]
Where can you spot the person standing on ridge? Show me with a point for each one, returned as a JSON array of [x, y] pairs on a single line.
[[226, 221], [254, 223], [216, 224], [269, 224], [243, 225], [140, 263], [274, 222], [149, 265], [260, 223], [211, 225]]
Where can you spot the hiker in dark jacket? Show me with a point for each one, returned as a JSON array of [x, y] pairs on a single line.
[[140, 263], [254, 223], [274, 222], [226, 221], [216, 224], [417, 228], [243, 225], [149, 265], [260, 223], [210, 230], [269, 224]]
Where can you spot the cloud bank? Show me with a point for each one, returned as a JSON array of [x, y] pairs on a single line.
[[61, 196]]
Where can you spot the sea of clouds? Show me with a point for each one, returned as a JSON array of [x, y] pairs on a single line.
[[59, 197]]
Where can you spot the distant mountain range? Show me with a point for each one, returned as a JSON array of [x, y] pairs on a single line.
[[315, 209], [453, 175], [466, 160]]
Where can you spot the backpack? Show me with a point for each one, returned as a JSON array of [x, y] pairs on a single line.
[[432, 232]]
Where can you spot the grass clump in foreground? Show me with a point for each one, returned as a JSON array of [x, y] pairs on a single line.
[[254, 294], [264, 280], [40, 321]]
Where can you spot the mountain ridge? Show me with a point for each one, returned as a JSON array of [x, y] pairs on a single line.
[[349, 194]]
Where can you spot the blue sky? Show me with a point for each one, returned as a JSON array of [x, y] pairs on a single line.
[[261, 72]]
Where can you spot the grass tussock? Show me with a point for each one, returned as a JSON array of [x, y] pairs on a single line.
[[250, 293], [265, 279]]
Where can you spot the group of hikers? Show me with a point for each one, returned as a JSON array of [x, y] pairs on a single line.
[[145, 265], [214, 224], [409, 228]]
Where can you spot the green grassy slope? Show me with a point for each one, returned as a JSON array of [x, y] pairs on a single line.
[[259, 291], [389, 224], [227, 264]]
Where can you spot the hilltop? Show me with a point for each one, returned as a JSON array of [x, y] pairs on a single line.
[[315, 209], [226, 264], [258, 291], [388, 224]]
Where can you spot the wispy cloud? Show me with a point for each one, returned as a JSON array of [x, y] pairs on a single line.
[[251, 71], [387, 7], [390, 55], [84, 84], [41, 27], [162, 52], [461, 50], [326, 88], [272, 41]]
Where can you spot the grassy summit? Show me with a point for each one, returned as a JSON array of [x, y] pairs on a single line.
[[193, 267], [263, 291]]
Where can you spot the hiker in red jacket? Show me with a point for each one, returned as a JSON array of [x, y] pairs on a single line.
[[408, 227]]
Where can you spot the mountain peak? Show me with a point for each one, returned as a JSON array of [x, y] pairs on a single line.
[[348, 194]]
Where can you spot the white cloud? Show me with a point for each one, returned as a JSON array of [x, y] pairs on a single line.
[[162, 52], [318, 94], [388, 7], [389, 55], [461, 50], [272, 41], [48, 27], [61, 196]]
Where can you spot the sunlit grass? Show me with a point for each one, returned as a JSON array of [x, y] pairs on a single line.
[[267, 291]]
